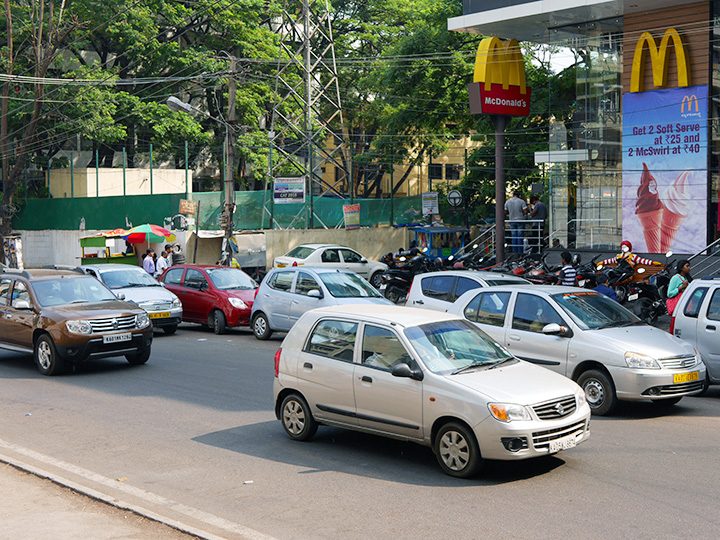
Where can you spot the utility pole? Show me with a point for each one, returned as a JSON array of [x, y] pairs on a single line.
[[229, 210]]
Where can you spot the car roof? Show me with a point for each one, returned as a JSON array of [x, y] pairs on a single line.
[[318, 246], [315, 269], [112, 266], [34, 274], [200, 266], [473, 273], [547, 289], [397, 315]]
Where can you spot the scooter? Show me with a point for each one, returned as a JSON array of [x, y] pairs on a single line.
[[587, 274], [619, 279]]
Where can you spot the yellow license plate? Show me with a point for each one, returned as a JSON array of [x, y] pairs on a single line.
[[686, 377], [162, 315], [281, 265]]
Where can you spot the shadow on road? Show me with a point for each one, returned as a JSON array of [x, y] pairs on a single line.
[[351, 452]]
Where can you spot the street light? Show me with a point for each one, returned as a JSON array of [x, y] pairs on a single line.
[[175, 104]]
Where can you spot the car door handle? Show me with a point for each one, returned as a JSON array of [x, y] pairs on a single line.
[[678, 333], [365, 378], [267, 295], [294, 301], [514, 338], [307, 365], [710, 327], [419, 302]]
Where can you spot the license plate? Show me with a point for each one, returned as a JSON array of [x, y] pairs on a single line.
[[114, 338], [281, 265], [581, 283], [162, 315], [633, 297], [563, 444], [686, 377]]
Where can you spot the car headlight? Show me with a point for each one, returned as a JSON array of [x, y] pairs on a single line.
[[507, 412], [142, 320], [238, 303], [79, 327], [177, 303], [641, 361], [581, 398]]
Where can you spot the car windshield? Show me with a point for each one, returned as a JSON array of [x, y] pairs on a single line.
[[130, 277], [300, 252], [343, 285], [592, 311], [451, 346], [79, 290], [230, 278]]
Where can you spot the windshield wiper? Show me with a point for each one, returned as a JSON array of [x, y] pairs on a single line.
[[469, 366], [617, 324], [501, 362], [131, 285]]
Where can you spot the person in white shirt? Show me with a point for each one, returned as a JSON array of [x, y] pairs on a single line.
[[162, 263]]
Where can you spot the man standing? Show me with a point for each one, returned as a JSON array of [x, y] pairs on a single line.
[[538, 215], [148, 263], [516, 210], [162, 263]]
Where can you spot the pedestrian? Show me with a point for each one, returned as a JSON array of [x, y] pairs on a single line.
[[678, 283], [567, 273], [148, 263], [129, 249], [169, 257], [538, 215], [161, 264], [516, 209], [602, 287]]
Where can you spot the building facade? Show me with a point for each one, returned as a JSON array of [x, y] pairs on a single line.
[[645, 130]]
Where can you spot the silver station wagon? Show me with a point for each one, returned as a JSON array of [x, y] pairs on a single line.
[[610, 352], [426, 377]]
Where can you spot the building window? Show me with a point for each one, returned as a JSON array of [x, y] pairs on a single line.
[[436, 171], [452, 172]]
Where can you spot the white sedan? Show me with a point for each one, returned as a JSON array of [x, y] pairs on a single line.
[[333, 256]]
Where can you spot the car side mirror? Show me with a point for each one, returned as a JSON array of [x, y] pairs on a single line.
[[22, 304], [120, 296], [315, 293], [404, 370], [554, 329], [363, 260]]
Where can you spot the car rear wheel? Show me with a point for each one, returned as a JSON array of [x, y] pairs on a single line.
[[138, 359], [261, 327], [376, 280], [599, 391], [457, 451], [218, 322], [170, 330], [46, 356], [296, 418]]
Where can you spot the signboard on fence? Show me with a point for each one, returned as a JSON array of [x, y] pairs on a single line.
[[189, 208], [430, 203], [289, 190], [352, 216]]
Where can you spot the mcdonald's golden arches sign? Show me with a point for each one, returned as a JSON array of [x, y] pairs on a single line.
[[659, 59], [498, 85]]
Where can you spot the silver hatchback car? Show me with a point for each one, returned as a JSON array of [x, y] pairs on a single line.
[[426, 377], [595, 341]]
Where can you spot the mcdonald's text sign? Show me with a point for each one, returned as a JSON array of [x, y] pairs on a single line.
[[498, 85]]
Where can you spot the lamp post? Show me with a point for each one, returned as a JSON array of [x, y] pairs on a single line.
[[226, 219]]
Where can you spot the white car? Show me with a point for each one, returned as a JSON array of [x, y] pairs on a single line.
[[581, 334], [425, 377], [333, 256], [438, 290]]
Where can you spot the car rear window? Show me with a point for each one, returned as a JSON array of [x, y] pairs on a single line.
[[300, 252], [282, 281], [464, 285], [440, 288]]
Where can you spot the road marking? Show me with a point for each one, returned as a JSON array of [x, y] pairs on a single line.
[[189, 511]]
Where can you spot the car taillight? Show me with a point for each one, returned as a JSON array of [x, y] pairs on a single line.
[[277, 361], [672, 325]]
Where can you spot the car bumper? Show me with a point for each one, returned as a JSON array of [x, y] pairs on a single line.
[[95, 348], [654, 384], [239, 317], [162, 318], [524, 440]]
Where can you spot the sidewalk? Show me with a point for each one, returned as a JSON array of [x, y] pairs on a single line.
[[35, 508]]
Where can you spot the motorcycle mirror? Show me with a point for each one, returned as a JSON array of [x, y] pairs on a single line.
[[669, 254], [451, 257], [599, 266], [475, 246], [640, 270]]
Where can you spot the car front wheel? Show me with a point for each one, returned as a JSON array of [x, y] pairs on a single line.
[[46, 356], [218, 322], [261, 327], [457, 451], [296, 418], [599, 391]]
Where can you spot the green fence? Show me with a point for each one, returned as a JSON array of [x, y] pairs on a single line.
[[253, 210]]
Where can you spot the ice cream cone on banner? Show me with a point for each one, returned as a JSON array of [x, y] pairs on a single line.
[[669, 226], [650, 222]]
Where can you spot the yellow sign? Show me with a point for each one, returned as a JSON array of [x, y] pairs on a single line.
[[689, 100], [659, 59], [500, 62]]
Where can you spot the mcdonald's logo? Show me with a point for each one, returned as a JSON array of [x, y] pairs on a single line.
[[499, 85], [659, 59], [689, 100]]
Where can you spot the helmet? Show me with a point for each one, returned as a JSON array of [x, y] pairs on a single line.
[[626, 243], [438, 262]]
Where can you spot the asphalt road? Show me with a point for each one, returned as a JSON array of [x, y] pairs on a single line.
[[192, 436]]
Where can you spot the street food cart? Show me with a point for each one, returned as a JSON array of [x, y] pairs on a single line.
[[441, 241], [107, 248]]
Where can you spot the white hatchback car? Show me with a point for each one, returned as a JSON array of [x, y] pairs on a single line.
[[426, 377], [438, 290], [333, 256]]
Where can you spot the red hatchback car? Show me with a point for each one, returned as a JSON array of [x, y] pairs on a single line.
[[217, 296]]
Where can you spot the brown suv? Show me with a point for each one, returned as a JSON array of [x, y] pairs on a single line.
[[65, 317]]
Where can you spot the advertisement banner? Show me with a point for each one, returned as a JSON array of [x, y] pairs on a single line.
[[352, 216], [430, 203], [289, 190], [665, 170]]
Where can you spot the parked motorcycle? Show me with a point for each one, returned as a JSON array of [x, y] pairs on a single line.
[[542, 273], [396, 281], [650, 295], [587, 274], [619, 279]]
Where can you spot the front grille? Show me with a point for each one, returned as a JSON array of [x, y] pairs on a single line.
[[541, 439], [156, 306], [557, 408], [674, 389], [113, 324], [679, 362]]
